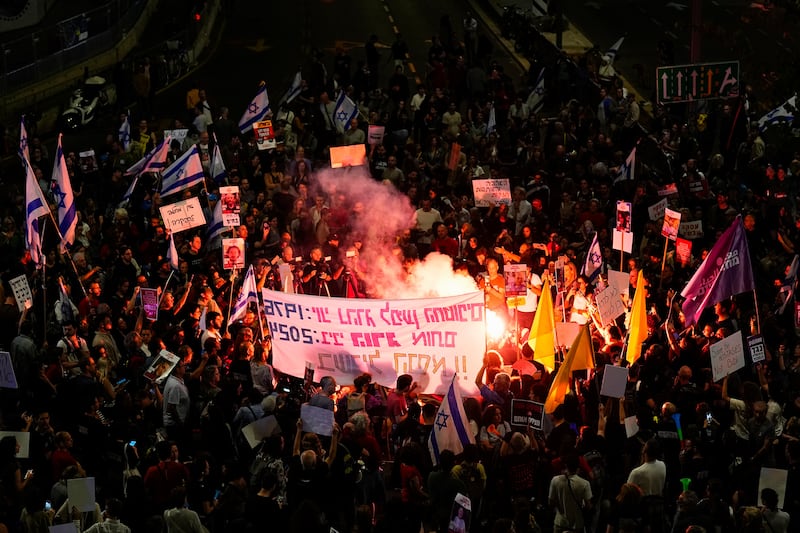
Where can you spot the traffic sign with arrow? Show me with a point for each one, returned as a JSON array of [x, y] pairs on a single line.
[[704, 81]]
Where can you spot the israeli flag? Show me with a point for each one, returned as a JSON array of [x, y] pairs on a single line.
[[124, 133], [451, 427], [627, 170], [172, 253], [62, 192], [783, 114], [293, 91], [256, 110], [248, 294], [612, 52], [35, 207], [154, 161], [346, 110], [594, 260], [216, 227], [24, 151], [536, 98], [218, 172], [185, 172]]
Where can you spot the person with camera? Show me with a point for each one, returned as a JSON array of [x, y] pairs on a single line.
[[317, 274]]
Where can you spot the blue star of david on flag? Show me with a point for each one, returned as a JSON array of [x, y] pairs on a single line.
[[346, 111], [256, 110], [441, 420], [59, 195], [253, 108]]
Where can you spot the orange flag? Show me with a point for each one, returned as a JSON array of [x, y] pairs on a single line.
[[637, 330], [542, 336], [579, 357]]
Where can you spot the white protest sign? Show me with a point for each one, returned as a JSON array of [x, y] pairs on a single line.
[[656, 210], [615, 379], [22, 292], [8, 379], [177, 135], [161, 366], [620, 280], [259, 430], [609, 304], [775, 479], [80, 492], [692, 229], [316, 420], [348, 156], [622, 241], [375, 134], [23, 439], [490, 192], [631, 426], [727, 356], [265, 135], [183, 215], [566, 333], [757, 351]]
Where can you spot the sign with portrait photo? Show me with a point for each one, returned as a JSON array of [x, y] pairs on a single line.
[[161, 367], [624, 217], [516, 279], [231, 205], [672, 221], [232, 253]]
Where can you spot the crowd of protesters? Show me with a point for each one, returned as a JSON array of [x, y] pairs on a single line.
[[170, 454]]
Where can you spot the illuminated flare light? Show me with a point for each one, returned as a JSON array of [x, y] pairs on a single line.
[[495, 326]]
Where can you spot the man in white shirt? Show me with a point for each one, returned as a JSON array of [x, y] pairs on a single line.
[[520, 209], [651, 475], [425, 217]]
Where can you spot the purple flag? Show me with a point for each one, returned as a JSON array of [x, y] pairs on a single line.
[[726, 271]]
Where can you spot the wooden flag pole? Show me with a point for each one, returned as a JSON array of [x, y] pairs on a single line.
[[663, 262]]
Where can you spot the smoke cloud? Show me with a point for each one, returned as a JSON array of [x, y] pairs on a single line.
[[379, 213]]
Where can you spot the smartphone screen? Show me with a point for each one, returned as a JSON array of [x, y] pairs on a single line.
[[47, 505]]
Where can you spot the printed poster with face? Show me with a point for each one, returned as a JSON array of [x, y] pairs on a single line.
[[232, 253], [624, 217], [516, 277], [231, 205], [672, 221], [161, 367]]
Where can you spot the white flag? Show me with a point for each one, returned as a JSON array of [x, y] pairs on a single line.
[[294, 89], [62, 192], [172, 253], [124, 133], [451, 427]]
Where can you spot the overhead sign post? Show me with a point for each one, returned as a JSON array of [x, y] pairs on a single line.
[[702, 81]]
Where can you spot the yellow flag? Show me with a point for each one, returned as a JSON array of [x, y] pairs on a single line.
[[542, 336], [579, 357], [638, 322]]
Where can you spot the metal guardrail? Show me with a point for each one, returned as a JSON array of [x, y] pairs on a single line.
[[70, 42]]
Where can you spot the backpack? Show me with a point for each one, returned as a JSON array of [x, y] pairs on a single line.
[[471, 477], [597, 463]]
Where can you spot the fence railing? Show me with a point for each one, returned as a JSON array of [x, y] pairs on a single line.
[[45, 52]]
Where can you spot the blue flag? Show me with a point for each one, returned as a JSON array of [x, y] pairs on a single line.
[[346, 110], [185, 172], [62, 192], [256, 110], [24, 151], [536, 98], [451, 427]]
